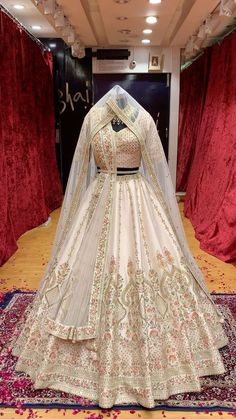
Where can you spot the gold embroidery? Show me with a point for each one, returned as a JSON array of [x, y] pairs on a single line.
[[151, 331], [150, 357]]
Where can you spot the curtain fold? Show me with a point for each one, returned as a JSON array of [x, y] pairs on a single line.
[[193, 87], [207, 148], [30, 186]]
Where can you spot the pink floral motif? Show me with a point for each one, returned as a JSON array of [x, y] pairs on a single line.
[[17, 387]]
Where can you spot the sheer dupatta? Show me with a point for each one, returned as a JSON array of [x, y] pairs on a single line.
[[82, 172], [154, 167]]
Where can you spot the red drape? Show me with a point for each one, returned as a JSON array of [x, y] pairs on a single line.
[[207, 148], [193, 86], [29, 187]]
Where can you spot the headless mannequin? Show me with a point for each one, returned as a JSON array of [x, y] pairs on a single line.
[[117, 123]]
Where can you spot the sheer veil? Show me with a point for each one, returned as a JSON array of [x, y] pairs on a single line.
[[83, 170]]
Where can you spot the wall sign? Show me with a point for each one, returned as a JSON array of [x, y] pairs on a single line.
[[73, 99]]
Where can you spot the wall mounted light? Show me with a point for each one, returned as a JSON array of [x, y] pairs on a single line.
[[77, 50], [201, 32], [210, 23], [71, 36], [227, 7], [59, 18], [49, 7]]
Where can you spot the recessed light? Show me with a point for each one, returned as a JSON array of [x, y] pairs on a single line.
[[18, 6], [36, 27], [154, 1], [146, 41], [151, 19], [147, 31], [125, 31], [121, 18]]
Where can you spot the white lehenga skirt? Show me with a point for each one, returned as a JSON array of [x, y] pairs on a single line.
[[158, 330]]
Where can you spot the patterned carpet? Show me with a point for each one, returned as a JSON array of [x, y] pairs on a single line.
[[218, 392]]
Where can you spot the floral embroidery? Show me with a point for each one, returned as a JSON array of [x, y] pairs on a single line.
[[152, 330], [133, 341]]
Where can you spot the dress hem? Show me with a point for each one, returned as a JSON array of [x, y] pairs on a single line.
[[121, 399], [193, 385]]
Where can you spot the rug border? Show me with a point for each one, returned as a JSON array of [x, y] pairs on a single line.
[[122, 407], [7, 298]]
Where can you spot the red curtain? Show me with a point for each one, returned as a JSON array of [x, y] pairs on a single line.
[[30, 187], [193, 86], [207, 148]]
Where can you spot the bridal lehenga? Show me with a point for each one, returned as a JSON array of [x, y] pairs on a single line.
[[122, 314]]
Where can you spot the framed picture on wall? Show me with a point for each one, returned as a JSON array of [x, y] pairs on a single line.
[[155, 62]]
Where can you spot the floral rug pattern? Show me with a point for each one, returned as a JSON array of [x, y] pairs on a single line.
[[218, 392]]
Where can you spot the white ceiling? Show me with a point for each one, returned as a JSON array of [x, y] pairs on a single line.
[[96, 21], [30, 16]]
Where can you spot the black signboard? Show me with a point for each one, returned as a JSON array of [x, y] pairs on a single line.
[[73, 99]]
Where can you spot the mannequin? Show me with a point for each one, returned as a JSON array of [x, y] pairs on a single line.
[[118, 124], [123, 314]]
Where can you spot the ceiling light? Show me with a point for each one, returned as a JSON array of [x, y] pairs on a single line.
[[151, 19], [121, 18], [154, 1], [36, 27], [147, 31], [146, 41], [125, 31], [18, 6]]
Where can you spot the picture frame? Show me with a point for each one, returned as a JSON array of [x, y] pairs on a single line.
[[155, 62]]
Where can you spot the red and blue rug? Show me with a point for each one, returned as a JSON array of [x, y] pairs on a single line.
[[218, 392]]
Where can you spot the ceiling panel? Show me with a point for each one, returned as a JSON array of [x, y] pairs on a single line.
[[136, 12], [198, 13], [96, 23], [30, 16]]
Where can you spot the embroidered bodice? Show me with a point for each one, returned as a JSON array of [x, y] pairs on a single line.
[[124, 144]]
